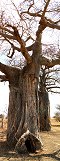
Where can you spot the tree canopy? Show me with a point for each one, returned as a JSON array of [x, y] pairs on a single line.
[[22, 22]]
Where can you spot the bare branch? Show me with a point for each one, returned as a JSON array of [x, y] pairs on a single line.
[[52, 24], [6, 29], [29, 48], [3, 78], [45, 8], [22, 43], [49, 63], [7, 36], [12, 45], [53, 87], [9, 71], [11, 55], [15, 8], [31, 6], [36, 14], [49, 90], [16, 37]]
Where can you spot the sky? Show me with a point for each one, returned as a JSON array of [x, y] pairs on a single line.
[[54, 102], [4, 98]]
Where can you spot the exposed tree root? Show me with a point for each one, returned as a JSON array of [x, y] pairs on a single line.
[[28, 143]]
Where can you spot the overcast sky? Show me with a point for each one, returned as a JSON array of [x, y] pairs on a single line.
[[4, 97]]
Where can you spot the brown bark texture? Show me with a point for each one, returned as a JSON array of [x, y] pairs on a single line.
[[22, 112], [23, 98]]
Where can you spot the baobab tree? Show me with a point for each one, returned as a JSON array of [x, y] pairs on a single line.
[[49, 81], [23, 83]]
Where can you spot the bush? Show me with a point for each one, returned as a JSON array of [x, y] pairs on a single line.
[[57, 116]]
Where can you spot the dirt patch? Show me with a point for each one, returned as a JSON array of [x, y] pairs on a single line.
[[50, 152]]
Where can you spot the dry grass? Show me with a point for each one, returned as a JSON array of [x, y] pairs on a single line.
[[51, 146]]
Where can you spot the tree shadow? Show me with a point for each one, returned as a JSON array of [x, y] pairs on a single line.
[[8, 152], [56, 125], [5, 151], [55, 155]]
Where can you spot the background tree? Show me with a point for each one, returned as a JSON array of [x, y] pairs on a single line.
[[17, 31], [44, 103], [57, 114], [49, 81]]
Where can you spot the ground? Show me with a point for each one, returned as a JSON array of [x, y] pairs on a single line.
[[50, 151]]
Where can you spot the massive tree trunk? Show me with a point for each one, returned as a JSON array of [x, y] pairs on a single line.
[[22, 112], [23, 102], [44, 111], [44, 104]]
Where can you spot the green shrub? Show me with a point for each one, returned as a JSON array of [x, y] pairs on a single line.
[[57, 116]]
